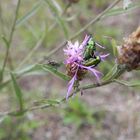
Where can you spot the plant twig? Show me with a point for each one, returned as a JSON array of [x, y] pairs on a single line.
[[63, 13], [10, 39], [94, 20], [58, 102], [29, 55], [46, 105]]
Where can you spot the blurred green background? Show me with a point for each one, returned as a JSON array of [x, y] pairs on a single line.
[[105, 113]]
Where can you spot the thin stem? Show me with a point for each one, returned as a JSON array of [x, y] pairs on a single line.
[[55, 23], [43, 106], [10, 39], [14, 23], [38, 44], [97, 18]]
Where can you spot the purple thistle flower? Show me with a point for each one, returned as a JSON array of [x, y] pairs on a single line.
[[74, 63]]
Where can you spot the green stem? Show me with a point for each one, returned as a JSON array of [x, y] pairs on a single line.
[[120, 70], [63, 13], [16, 112], [29, 55], [43, 106], [10, 40]]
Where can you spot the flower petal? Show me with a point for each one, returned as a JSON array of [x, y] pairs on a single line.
[[83, 44], [94, 71], [70, 85], [76, 45]]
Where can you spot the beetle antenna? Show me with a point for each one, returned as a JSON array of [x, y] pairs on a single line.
[[97, 44]]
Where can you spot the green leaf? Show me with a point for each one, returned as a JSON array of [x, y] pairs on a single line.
[[4, 84], [47, 102], [35, 68], [18, 93], [54, 71], [110, 73], [119, 11], [57, 6], [5, 41], [58, 18], [133, 83], [28, 69], [23, 71], [114, 47], [27, 16], [52, 101]]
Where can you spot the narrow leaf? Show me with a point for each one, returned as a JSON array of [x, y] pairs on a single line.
[[52, 101], [5, 41], [55, 72], [58, 18], [18, 92], [56, 4], [133, 83], [28, 69], [114, 47], [119, 11], [110, 73], [27, 16], [34, 68], [31, 70], [46, 102]]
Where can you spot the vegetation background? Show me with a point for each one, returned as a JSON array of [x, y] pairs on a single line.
[[31, 33]]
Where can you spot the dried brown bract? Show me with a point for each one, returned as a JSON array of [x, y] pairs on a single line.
[[130, 51], [71, 69]]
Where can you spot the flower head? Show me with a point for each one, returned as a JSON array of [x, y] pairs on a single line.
[[75, 62], [129, 53], [74, 52]]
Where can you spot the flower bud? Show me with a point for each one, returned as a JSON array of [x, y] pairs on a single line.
[[129, 53]]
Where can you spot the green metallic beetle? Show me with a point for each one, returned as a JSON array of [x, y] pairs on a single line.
[[90, 48], [90, 59]]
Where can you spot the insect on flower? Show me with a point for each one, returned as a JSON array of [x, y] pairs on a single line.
[[81, 58], [89, 54]]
